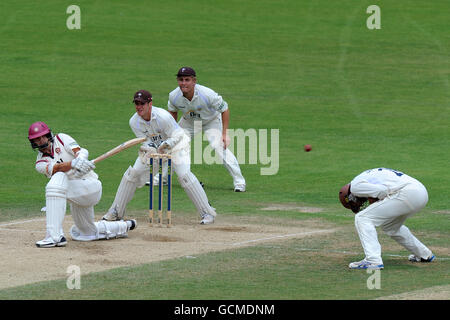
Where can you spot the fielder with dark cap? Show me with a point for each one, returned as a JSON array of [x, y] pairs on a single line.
[[164, 135], [202, 104], [385, 198]]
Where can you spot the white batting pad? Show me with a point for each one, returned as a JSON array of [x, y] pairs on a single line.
[[103, 230], [55, 202], [196, 193], [57, 186], [124, 194], [111, 229]]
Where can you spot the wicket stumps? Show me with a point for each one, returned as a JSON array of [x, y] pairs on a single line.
[[159, 158]]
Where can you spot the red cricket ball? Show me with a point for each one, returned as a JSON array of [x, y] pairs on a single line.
[[307, 147]]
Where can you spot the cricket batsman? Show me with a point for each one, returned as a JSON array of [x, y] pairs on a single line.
[[72, 179]]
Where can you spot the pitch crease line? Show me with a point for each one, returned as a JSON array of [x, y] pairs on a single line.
[[20, 222], [19, 230], [281, 236]]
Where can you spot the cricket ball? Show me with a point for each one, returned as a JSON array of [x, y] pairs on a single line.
[[307, 147]]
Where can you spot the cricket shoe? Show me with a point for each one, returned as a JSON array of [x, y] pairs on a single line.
[[364, 264], [132, 224], [111, 215], [207, 219], [239, 188], [49, 243], [414, 258]]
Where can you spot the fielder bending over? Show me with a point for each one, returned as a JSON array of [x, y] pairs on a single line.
[[72, 180], [168, 137], [392, 197]]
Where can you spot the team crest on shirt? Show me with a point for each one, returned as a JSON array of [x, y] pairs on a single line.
[[58, 150]]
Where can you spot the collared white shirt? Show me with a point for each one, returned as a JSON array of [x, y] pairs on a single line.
[[62, 151], [206, 104], [379, 183], [161, 126]]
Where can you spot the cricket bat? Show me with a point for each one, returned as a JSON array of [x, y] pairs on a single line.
[[119, 148]]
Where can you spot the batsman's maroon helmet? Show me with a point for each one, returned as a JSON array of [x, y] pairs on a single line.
[[39, 129]]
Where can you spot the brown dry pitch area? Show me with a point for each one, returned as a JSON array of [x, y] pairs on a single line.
[[22, 262]]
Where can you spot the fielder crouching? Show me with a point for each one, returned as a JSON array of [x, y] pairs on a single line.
[[392, 197], [72, 180]]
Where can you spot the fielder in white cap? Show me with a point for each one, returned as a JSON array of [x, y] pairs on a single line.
[[72, 180], [164, 136], [385, 198], [200, 104]]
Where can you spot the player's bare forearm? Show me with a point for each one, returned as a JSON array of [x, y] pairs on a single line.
[[225, 123], [174, 115], [62, 167]]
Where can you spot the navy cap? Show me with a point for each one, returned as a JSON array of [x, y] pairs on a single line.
[[186, 72], [142, 96]]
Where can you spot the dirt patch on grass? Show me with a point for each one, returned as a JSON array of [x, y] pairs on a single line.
[[442, 211], [22, 263], [291, 207], [432, 293]]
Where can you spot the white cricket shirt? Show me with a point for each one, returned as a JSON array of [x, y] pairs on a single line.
[[61, 152], [205, 105], [161, 126], [379, 183]]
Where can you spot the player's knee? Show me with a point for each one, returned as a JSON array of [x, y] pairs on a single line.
[[390, 233], [393, 232], [186, 179], [57, 186], [215, 138], [132, 174], [362, 220]]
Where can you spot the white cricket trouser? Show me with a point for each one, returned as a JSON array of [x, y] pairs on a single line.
[[390, 214], [82, 195], [136, 176], [213, 132]]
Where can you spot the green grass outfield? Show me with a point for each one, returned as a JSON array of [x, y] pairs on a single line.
[[362, 98]]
